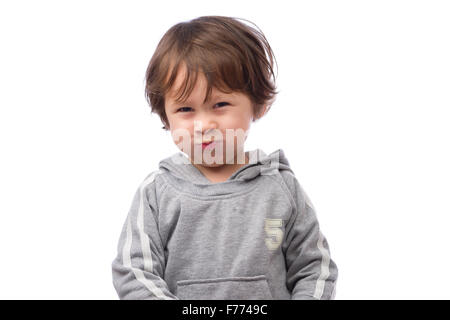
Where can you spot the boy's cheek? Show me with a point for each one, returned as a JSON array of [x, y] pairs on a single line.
[[185, 145]]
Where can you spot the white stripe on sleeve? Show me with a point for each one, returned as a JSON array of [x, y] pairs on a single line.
[[324, 268], [145, 246]]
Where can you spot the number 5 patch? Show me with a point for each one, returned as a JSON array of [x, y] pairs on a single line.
[[274, 233]]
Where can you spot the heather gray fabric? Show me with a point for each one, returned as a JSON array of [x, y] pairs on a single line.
[[254, 236]]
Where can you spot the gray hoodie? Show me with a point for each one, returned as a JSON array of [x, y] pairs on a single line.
[[254, 236]]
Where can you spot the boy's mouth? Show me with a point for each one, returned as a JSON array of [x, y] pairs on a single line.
[[211, 144], [205, 144]]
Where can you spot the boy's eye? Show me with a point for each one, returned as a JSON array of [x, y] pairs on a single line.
[[183, 109], [187, 109], [222, 103]]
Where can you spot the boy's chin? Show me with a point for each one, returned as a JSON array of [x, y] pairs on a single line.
[[211, 165], [216, 164]]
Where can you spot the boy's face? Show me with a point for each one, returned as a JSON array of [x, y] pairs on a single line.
[[225, 118]]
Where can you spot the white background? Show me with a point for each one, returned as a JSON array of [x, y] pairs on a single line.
[[362, 115]]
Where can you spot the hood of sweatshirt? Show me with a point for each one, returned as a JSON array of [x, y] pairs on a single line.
[[260, 163]]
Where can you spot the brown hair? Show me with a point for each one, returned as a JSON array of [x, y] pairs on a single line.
[[232, 55]]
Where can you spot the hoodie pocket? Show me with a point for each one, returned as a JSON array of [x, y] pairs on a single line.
[[233, 288]]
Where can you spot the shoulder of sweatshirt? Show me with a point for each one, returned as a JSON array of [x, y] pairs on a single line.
[[153, 185], [296, 191]]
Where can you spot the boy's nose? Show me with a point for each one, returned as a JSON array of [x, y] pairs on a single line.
[[204, 129], [206, 126]]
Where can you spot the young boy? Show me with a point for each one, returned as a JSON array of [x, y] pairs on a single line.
[[219, 223]]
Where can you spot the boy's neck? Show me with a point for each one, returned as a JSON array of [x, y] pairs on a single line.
[[221, 173]]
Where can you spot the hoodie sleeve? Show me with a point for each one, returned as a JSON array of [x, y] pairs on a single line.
[[311, 274], [138, 268]]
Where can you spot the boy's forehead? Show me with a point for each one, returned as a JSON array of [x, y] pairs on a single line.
[[199, 89]]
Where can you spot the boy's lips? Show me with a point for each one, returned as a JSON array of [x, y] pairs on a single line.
[[206, 141], [209, 144]]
